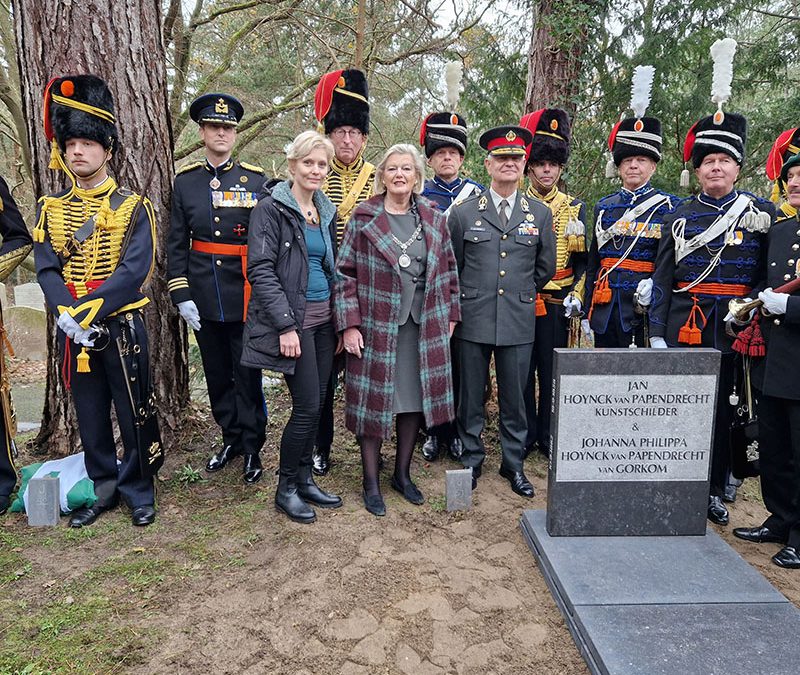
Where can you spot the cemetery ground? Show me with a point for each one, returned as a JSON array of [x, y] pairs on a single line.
[[221, 583]]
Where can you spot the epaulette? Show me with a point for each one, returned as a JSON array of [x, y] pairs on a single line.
[[189, 167], [252, 167]]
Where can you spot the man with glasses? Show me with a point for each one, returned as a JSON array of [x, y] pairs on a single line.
[[341, 106], [505, 249]]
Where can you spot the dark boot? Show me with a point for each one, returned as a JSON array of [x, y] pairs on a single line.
[[321, 461], [311, 492], [430, 448], [289, 502]]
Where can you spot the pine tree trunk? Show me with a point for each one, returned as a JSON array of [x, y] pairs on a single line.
[[122, 43], [554, 58]]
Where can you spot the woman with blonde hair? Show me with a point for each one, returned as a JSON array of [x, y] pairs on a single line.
[[289, 329], [396, 304]]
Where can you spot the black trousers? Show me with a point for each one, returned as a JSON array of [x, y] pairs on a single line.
[[446, 432], [616, 337], [235, 393], [8, 474], [779, 459], [93, 394], [551, 332], [325, 427], [723, 418], [308, 387], [512, 365]]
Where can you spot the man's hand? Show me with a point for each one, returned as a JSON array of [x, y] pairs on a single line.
[[189, 313], [572, 305], [658, 343], [644, 292], [67, 323], [774, 303]]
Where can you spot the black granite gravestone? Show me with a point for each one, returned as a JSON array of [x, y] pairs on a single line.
[[631, 441]]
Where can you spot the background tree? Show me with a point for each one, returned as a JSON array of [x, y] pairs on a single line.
[[120, 42]]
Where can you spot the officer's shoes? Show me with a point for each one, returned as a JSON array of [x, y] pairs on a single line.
[[142, 516], [787, 557], [455, 449], [88, 514], [519, 482], [252, 468], [220, 459], [430, 449], [717, 513]]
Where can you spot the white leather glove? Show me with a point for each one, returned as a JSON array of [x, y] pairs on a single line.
[[67, 323], [586, 328], [644, 290], [571, 305], [658, 343], [189, 313], [774, 303]]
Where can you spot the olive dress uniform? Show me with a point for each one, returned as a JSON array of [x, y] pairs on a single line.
[[206, 263], [501, 268], [17, 243]]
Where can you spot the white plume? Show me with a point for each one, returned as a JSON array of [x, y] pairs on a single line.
[[722, 52], [641, 89], [453, 71]]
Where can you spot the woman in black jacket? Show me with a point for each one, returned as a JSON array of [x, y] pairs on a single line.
[[289, 325]]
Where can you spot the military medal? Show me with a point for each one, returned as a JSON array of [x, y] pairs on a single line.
[[214, 183]]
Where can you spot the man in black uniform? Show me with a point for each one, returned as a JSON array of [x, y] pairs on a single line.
[[17, 244], [506, 252], [444, 138], [94, 246], [563, 294], [341, 106], [713, 248], [776, 375], [207, 263]]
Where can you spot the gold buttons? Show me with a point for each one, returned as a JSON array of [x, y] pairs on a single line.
[[502, 273], [795, 247], [790, 261], [500, 292], [505, 236], [503, 254], [216, 219], [217, 233], [772, 264], [474, 238]]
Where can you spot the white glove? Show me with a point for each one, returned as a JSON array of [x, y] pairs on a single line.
[[67, 323], [571, 305], [189, 313], [586, 328], [658, 343], [774, 303], [743, 322], [644, 291]]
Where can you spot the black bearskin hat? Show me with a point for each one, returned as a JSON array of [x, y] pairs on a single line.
[[64, 118], [342, 99]]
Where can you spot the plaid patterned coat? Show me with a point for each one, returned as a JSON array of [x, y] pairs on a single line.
[[367, 296]]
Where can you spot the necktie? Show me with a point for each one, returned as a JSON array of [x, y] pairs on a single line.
[[503, 215]]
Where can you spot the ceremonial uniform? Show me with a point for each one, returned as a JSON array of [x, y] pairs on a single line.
[[341, 100], [444, 194], [16, 245], [712, 249], [207, 264], [627, 232], [505, 255], [94, 249], [551, 140]]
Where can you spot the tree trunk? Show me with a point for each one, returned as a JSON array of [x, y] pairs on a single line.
[[558, 39], [122, 43]]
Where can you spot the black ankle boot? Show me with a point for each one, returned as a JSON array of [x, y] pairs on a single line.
[[288, 501], [311, 492], [321, 461]]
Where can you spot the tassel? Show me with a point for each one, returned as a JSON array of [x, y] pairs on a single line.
[[105, 216], [775, 197], [689, 333], [54, 153], [611, 169], [83, 361], [572, 243], [602, 293], [541, 310], [685, 178], [750, 341]]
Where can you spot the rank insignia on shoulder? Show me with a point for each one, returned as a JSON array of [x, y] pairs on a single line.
[[524, 203], [189, 167], [483, 202], [124, 192], [243, 179], [529, 217], [251, 167]]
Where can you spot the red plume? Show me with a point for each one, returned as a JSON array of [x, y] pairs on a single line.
[[48, 127], [423, 130], [775, 157], [323, 96], [613, 136], [531, 123], [688, 144]]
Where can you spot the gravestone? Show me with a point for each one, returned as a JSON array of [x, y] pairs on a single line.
[[43, 501], [26, 328], [631, 440], [29, 295], [458, 488]]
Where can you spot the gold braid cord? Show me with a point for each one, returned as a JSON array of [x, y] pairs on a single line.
[[337, 186], [10, 261]]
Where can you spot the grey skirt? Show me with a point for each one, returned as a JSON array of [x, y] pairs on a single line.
[[407, 383]]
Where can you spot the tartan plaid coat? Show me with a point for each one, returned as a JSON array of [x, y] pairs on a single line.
[[367, 296]]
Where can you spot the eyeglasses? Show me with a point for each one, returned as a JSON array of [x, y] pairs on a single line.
[[342, 133]]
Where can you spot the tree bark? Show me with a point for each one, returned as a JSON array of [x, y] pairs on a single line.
[[122, 43], [558, 39]]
